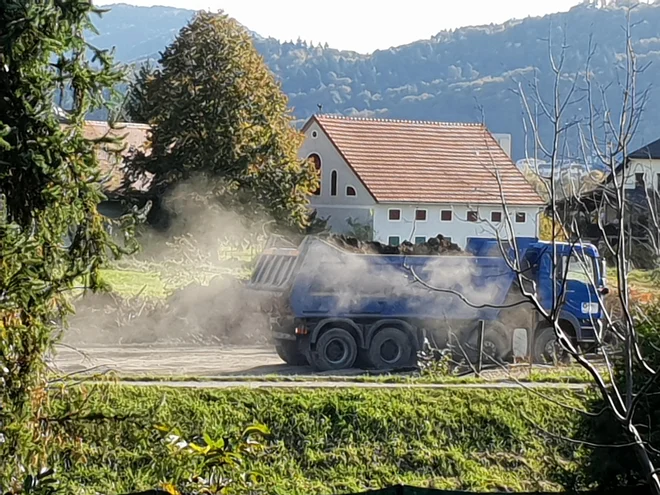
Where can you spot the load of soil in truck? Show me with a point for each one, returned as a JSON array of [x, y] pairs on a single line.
[[435, 246]]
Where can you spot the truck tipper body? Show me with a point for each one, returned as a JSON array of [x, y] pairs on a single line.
[[336, 308]]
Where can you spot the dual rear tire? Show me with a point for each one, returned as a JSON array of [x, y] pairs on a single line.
[[496, 345], [390, 348], [337, 349]]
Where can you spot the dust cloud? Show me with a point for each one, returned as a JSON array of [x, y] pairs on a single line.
[[202, 259]]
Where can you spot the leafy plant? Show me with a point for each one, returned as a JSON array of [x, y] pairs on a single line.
[[618, 465], [49, 184], [361, 231], [214, 461]]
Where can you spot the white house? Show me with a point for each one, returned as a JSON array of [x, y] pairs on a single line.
[[642, 168], [411, 180]]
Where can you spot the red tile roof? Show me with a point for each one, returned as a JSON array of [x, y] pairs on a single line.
[[428, 162], [132, 137]]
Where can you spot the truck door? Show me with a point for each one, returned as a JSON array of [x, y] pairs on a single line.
[[580, 296]]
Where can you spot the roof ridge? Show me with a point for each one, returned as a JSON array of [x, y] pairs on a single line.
[[400, 121]]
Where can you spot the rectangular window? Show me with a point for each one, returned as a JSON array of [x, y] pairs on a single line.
[[496, 216], [580, 268], [639, 180], [393, 240], [333, 183], [472, 216], [446, 215], [420, 239], [658, 182], [521, 217], [394, 214], [420, 215]]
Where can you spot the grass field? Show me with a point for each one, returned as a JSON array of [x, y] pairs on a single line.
[[323, 441], [131, 283]]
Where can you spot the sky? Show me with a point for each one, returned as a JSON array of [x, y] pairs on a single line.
[[364, 25]]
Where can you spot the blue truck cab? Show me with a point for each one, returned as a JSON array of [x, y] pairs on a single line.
[[335, 309]]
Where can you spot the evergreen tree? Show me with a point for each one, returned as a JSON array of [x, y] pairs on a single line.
[[216, 111], [48, 184]]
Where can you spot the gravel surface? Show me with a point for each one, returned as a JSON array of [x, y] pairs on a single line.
[[236, 366]]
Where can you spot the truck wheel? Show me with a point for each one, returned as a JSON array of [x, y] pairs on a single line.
[[547, 350], [288, 351], [335, 349], [390, 349], [495, 345]]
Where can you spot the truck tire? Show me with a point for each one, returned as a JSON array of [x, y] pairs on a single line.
[[335, 349], [288, 351], [390, 349], [496, 344], [546, 350]]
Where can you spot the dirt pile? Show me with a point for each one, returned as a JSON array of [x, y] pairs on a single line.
[[435, 246]]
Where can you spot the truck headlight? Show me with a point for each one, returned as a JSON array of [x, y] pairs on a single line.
[[590, 308]]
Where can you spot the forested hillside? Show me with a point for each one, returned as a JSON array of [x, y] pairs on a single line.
[[457, 75]]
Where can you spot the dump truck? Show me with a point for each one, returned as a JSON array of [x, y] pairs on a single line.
[[334, 309]]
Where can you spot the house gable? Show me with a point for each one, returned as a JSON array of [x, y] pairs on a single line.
[[318, 142]]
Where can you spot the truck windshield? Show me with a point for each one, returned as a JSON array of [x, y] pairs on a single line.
[[580, 268]]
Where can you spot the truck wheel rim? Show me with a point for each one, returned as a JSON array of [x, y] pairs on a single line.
[[552, 351], [390, 351], [336, 351], [490, 349]]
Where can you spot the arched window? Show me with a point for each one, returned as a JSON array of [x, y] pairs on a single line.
[[316, 160], [333, 183], [350, 191]]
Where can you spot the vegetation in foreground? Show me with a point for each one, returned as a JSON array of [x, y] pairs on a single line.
[[106, 438], [48, 192]]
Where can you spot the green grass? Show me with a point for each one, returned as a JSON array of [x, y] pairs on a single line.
[[324, 441], [131, 283], [644, 279]]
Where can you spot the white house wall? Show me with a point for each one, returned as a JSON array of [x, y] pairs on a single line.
[[340, 207], [650, 169], [459, 229]]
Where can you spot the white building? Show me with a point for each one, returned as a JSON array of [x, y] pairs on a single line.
[[643, 168], [411, 180]]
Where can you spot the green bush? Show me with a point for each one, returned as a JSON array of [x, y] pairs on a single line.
[[323, 441], [618, 466]]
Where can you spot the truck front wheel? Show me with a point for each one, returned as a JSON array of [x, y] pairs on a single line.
[[335, 349], [547, 350], [288, 351], [390, 349]]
